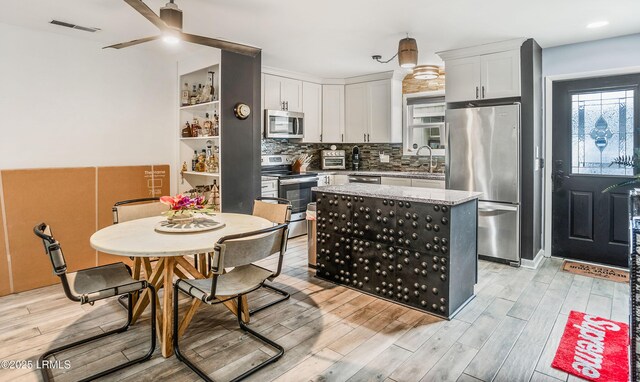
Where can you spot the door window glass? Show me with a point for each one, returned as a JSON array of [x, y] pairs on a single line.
[[601, 130]]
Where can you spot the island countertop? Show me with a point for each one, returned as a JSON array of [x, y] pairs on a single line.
[[412, 194]]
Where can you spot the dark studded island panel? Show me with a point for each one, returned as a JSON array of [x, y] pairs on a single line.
[[419, 254]]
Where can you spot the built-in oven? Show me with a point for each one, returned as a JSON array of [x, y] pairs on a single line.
[[298, 192], [283, 124]]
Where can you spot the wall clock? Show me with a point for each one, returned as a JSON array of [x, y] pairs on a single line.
[[242, 110]]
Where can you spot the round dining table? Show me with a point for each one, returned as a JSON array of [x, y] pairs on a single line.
[[140, 240]]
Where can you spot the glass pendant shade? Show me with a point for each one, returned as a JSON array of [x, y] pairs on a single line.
[[426, 72], [408, 52]]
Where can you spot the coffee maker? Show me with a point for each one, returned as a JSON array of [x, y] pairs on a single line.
[[355, 158]]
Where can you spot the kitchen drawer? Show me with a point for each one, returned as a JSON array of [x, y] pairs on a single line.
[[269, 185], [395, 181], [427, 183], [269, 194]]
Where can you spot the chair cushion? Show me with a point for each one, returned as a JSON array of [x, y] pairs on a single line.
[[239, 280], [102, 282]]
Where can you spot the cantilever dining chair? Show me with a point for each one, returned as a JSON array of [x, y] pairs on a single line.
[[90, 285], [239, 252], [278, 211]]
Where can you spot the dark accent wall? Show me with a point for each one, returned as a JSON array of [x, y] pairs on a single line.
[[240, 156], [369, 154], [530, 137]]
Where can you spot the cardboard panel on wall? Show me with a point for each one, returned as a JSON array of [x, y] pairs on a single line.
[[64, 198], [117, 184], [5, 286], [161, 180]]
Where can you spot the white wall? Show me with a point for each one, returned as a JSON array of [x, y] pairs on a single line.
[[65, 102], [616, 52]]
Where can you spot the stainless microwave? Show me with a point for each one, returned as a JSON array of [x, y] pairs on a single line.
[[283, 124]]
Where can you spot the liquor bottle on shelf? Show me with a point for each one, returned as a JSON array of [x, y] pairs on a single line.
[[194, 160], [196, 130], [200, 166], [207, 126], [194, 96], [185, 95], [216, 124], [209, 159], [210, 88], [216, 195], [186, 131]]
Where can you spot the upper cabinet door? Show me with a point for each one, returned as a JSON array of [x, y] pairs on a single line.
[[379, 113], [291, 94], [333, 113], [500, 75], [356, 113], [462, 81], [272, 92], [312, 109]]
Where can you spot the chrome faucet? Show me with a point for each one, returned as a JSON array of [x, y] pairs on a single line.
[[431, 166]]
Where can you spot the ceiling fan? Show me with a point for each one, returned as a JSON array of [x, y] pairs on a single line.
[[170, 24]]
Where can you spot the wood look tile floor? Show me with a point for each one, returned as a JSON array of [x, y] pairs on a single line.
[[509, 332]]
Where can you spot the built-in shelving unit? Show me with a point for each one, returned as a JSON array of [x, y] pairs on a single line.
[[191, 179]]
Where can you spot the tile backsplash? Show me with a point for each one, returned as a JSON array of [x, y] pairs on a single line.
[[369, 154]]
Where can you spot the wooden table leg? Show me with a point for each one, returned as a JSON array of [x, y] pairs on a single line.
[[167, 308], [136, 276], [155, 280]]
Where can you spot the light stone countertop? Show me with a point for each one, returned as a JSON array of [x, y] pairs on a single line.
[[390, 174], [412, 194]]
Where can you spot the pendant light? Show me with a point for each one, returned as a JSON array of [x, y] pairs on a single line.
[[407, 53], [426, 72]]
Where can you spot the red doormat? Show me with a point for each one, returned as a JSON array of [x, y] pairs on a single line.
[[594, 348]]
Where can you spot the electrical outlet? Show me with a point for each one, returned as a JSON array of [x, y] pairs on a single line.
[[384, 158]]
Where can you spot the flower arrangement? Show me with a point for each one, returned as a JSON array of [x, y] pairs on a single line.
[[183, 206]]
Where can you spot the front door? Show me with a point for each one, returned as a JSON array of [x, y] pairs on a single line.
[[595, 120]]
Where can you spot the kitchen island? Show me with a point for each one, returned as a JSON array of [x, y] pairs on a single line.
[[413, 246]]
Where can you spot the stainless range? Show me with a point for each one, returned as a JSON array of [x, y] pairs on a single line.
[[291, 186]]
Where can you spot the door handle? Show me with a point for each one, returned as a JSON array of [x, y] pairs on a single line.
[[477, 92], [557, 175]]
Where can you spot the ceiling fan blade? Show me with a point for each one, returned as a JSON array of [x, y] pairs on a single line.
[[145, 11], [132, 42], [221, 44]]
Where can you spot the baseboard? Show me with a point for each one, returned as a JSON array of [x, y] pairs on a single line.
[[533, 264]]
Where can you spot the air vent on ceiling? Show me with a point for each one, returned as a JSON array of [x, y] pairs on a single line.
[[74, 26]]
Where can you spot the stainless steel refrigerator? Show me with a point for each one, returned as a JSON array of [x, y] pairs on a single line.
[[483, 155]]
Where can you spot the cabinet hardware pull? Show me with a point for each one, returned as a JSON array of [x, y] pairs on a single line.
[[364, 137], [476, 92], [287, 103], [342, 137], [483, 91], [368, 137]]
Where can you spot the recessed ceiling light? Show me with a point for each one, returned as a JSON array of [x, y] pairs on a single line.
[[597, 24]]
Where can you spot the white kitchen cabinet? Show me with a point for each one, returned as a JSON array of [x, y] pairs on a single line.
[[392, 181], [312, 109], [427, 183], [487, 76], [462, 82], [269, 188], [500, 74], [282, 93], [356, 117], [340, 179], [333, 113], [373, 112]]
